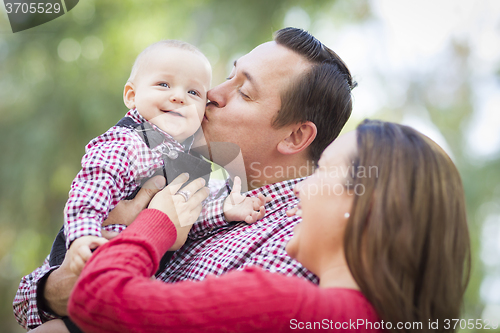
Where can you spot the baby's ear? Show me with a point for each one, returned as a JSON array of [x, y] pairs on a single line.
[[129, 95]]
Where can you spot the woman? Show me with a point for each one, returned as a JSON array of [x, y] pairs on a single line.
[[384, 228]]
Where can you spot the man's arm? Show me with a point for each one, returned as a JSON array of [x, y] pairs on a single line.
[[43, 295], [54, 295], [25, 304]]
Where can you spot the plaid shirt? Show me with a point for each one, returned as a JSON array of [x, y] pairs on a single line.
[[214, 246], [112, 167]]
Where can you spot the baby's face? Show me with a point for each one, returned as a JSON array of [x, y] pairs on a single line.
[[170, 90]]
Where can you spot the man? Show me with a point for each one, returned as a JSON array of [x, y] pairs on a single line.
[[283, 103]]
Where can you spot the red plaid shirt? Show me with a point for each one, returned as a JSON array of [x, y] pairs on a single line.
[[112, 167]]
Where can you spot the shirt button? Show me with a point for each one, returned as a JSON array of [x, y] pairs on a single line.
[[173, 154]]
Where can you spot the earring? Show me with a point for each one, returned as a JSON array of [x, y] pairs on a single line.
[[346, 215]]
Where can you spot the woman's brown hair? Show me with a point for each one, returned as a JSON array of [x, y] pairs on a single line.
[[407, 240]]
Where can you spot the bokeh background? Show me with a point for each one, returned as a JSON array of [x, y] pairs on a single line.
[[431, 64]]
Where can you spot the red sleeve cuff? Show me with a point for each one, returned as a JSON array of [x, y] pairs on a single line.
[[156, 227]]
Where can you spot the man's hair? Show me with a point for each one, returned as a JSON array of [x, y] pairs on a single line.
[[321, 95], [163, 43]]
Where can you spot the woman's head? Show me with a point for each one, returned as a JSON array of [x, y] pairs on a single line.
[[406, 241]]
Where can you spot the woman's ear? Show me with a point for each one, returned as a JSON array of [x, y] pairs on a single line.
[[299, 138], [129, 95]]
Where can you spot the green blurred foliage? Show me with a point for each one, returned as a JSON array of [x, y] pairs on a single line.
[[51, 108]]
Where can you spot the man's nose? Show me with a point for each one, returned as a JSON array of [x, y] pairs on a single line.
[[218, 95]]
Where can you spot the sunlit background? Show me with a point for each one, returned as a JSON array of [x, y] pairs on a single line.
[[430, 64]]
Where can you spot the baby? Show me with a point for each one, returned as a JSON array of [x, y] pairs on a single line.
[[166, 94]]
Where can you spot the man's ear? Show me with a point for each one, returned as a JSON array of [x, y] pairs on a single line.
[[129, 95], [301, 136]]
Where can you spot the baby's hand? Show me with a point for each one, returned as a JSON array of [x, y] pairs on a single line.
[[240, 208], [80, 251]]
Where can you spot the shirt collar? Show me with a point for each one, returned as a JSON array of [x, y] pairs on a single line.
[[276, 190], [138, 118]]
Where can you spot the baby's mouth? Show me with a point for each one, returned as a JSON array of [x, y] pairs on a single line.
[[174, 113]]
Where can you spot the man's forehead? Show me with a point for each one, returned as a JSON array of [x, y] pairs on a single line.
[[273, 60]]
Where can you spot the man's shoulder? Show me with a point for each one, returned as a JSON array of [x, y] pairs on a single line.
[[282, 190]]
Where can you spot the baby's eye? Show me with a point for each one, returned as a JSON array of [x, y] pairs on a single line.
[[163, 84], [193, 92]]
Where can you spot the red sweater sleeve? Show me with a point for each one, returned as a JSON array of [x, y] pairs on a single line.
[[115, 293]]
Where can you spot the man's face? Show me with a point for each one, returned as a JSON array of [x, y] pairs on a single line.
[[242, 107]]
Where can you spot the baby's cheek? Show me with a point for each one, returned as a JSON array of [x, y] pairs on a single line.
[[201, 109]]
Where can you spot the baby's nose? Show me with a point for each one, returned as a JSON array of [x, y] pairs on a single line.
[[177, 99]]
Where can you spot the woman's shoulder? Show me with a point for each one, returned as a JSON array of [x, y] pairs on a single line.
[[331, 296], [301, 303], [340, 308]]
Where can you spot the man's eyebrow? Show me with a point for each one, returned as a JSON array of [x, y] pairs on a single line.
[[248, 76]]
